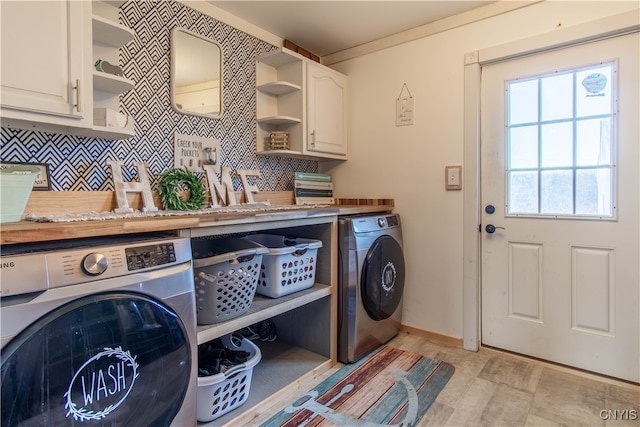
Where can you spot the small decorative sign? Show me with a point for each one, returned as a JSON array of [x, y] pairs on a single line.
[[594, 84], [43, 182], [101, 384], [191, 152], [404, 107]]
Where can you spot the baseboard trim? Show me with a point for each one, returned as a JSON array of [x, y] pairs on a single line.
[[433, 336]]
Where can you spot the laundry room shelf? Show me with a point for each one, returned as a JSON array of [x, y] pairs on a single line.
[[278, 88], [272, 374], [305, 321], [263, 308]]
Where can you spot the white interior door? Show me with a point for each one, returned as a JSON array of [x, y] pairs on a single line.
[[559, 165]]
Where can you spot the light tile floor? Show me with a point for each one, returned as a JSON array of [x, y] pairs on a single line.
[[493, 388]]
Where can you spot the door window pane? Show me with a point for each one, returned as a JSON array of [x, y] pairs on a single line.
[[557, 145], [556, 192], [523, 102], [523, 147], [523, 192], [593, 195], [557, 97], [593, 91], [560, 143], [593, 146]]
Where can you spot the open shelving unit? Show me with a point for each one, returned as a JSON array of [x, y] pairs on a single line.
[[306, 321], [305, 99], [108, 37], [280, 100]]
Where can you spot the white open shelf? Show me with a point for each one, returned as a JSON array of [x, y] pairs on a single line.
[[111, 83], [279, 120], [110, 33], [278, 88]]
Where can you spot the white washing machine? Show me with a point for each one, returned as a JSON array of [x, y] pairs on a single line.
[[98, 332], [370, 282]]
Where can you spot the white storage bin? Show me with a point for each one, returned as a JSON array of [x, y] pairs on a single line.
[[226, 274], [289, 266], [224, 392]]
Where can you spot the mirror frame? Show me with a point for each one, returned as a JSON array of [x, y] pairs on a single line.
[[173, 73]]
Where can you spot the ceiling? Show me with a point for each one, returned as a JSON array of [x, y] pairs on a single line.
[[326, 27]]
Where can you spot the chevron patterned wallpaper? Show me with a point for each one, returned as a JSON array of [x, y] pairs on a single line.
[[78, 163]]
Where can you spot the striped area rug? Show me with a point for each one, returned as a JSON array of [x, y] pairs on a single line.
[[388, 387]]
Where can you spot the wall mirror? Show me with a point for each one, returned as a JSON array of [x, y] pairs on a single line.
[[196, 70]]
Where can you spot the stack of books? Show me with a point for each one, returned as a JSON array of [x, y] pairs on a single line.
[[279, 140], [313, 189]]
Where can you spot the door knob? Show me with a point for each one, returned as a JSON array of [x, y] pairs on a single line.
[[490, 209], [490, 228]]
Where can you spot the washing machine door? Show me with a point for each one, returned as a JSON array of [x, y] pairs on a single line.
[[112, 359], [382, 278]]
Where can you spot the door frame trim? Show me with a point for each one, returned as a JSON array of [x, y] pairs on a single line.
[[611, 26]]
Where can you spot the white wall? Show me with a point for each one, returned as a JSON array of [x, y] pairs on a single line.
[[407, 163]]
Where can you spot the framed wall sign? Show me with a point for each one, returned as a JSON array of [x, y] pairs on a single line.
[[43, 181]]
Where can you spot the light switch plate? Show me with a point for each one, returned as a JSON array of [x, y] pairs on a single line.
[[453, 177]]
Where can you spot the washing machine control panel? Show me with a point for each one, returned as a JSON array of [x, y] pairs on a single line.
[[375, 223], [150, 256], [32, 271]]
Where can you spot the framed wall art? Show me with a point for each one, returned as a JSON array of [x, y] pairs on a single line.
[[43, 181]]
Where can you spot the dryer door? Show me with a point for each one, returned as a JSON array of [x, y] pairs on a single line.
[[382, 278], [115, 358]]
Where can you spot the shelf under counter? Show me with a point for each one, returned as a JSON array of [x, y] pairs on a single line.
[[281, 367], [263, 308], [303, 350]]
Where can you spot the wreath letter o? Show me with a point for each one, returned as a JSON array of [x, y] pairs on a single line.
[[169, 185]]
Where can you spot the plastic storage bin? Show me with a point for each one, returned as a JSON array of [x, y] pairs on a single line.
[[224, 392], [16, 183], [289, 266], [226, 274]]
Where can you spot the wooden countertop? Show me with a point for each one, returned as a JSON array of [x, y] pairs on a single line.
[[30, 231]]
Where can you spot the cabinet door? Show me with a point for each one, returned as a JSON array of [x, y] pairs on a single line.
[[43, 61], [326, 110]]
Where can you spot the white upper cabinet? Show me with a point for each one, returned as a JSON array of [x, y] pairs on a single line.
[[305, 99], [326, 110], [49, 82], [44, 57]]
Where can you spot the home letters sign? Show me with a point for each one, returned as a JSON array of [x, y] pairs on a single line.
[[221, 191]]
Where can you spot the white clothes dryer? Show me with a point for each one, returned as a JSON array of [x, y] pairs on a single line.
[[370, 283], [99, 332]]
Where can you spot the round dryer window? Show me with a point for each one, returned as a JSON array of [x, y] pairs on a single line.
[[382, 278], [111, 358]]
